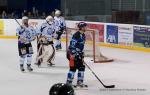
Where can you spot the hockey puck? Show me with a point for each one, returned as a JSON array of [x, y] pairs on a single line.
[[91, 60]]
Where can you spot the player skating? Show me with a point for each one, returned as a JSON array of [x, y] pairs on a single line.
[[75, 55], [25, 34], [46, 50], [60, 28]]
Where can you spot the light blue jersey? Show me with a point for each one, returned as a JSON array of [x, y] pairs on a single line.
[[47, 30], [26, 34], [59, 23]]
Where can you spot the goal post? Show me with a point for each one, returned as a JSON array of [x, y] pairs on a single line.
[[92, 45]]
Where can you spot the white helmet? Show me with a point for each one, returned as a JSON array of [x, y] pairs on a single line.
[[57, 12], [49, 19], [25, 18]]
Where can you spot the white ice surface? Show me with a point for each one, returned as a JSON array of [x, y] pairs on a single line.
[[129, 72]]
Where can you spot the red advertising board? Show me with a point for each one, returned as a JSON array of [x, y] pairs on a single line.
[[99, 28]]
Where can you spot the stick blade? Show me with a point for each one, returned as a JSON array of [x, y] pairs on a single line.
[[110, 86]]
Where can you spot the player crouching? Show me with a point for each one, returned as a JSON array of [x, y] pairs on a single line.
[[75, 55], [47, 31]]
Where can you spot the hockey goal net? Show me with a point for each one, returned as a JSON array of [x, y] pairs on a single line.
[[92, 48]]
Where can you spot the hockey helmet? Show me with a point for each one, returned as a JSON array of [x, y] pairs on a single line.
[[61, 89], [25, 18], [49, 19], [81, 25], [57, 13]]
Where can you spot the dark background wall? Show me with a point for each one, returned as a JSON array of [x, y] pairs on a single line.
[[16, 5], [86, 7], [19, 5], [99, 10], [44, 5]]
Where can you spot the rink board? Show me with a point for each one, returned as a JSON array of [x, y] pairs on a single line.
[[125, 36]]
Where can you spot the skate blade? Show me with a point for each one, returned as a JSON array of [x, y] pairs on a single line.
[[77, 87]]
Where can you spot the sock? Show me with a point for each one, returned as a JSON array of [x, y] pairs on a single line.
[[80, 76], [56, 43], [22, 59], [29, 58], [70, 76]]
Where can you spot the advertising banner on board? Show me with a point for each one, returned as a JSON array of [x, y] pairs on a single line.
[[99, 31], [125, 35], [141, 36], [112, 34]]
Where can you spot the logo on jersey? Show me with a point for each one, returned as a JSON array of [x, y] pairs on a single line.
[[49, 31]]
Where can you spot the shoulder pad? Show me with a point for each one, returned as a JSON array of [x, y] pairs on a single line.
[[77, 35]]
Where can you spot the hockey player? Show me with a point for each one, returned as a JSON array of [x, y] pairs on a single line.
[[75, 55], [60, 28], [25, 34], [47, 31]]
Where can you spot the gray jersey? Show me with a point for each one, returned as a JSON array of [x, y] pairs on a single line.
[[26, 34]]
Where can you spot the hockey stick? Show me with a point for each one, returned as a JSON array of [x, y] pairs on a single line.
[[18, 22], [106, 86]]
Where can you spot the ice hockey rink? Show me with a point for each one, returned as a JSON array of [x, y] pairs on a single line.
[[129, 73]]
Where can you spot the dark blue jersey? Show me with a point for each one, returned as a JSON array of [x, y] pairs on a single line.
[[77, 43]]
